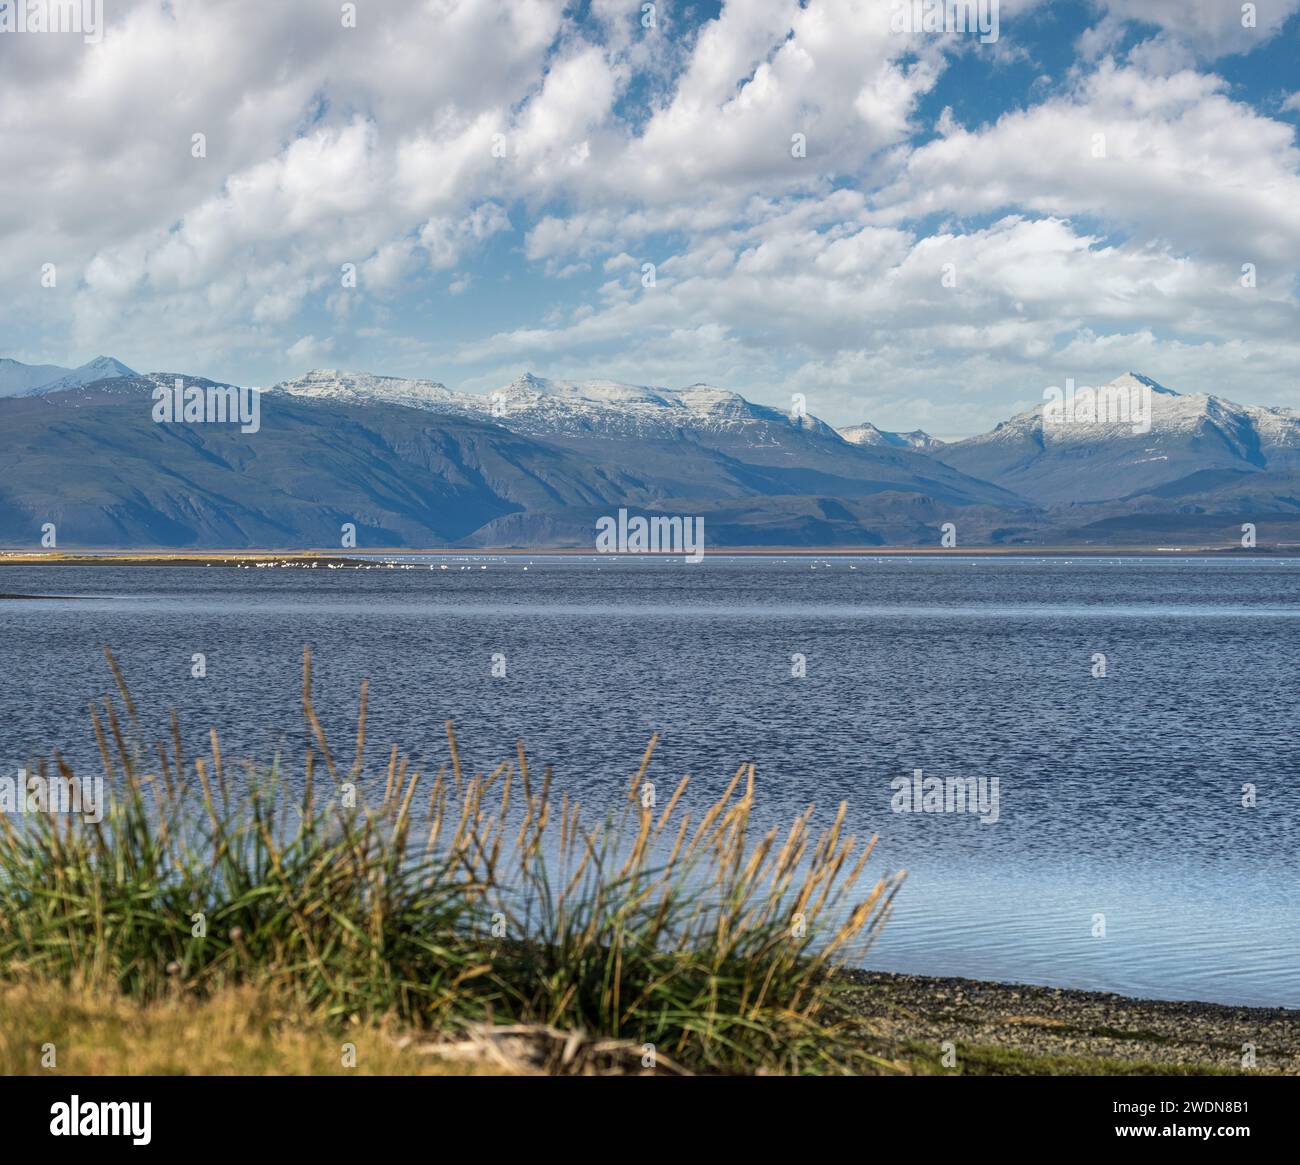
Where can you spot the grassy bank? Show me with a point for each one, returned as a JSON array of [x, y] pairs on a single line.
[[51, 1028], [907, 1023]]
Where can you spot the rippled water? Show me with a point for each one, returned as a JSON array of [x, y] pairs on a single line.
[[1118, 796]]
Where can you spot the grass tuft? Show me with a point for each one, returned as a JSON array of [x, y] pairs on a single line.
[[441, 903]]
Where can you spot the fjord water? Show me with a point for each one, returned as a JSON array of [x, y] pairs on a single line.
[[1118, 796]]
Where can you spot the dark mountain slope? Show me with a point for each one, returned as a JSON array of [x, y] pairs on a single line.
[[93, 461]]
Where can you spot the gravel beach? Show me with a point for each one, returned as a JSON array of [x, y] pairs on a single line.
[[1010, 1028]]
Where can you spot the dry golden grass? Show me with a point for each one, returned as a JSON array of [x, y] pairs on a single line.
[[237, 1031]]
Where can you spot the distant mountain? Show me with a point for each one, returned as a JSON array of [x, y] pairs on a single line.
[[100, 368], [411, 464], [363, 388], [868, 434], [1194, 441], [1205, 509], [611, 408], [17, 378], [697, 442], [27, 379]]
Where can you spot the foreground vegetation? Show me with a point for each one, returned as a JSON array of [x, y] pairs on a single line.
[[48, 1029], [439, 906]]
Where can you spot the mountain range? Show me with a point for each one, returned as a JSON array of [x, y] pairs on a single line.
[[538, 461]]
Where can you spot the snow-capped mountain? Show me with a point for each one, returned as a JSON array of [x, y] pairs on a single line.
[[365, 388], [1052, 453], [868, 434], [537, 461], [606, 407], [700, 440], [542, 406], [18, 379], [449, 472], [100, 368]]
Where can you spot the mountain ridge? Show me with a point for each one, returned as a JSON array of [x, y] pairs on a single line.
[[539, 459], [92, 461]]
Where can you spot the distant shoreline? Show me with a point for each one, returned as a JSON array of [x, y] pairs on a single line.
[[104, 557]]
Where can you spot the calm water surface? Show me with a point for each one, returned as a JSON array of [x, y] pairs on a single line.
[[1119, 796]]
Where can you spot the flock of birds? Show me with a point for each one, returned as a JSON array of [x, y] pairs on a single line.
[[285, 564], [360, 564], [290, 564]]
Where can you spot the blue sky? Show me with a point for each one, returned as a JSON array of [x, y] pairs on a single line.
[[1108, 185]]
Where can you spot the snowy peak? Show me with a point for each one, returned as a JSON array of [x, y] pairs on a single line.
[[697, 400], [36, 380], [17, 378], [1137, 380], [364, 388], [104, 368], [614, 408], [721, 410], [600, 392], [918, 439], [1126, 438], [528, 382], [706, 399], [867, 434], [543, 406], [100, 368], [1131, 405]]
